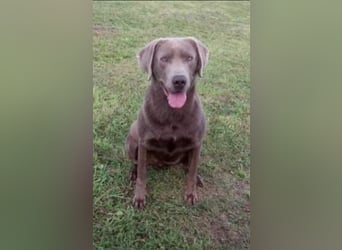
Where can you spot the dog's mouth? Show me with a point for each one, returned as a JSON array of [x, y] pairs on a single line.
[[175, 99]]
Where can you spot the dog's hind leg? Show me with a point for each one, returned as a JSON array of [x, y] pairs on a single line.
[[132, 150], [199, 179]]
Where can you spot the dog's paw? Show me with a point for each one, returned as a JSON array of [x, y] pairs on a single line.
[[139, 199], [139, 202], [190, 198]]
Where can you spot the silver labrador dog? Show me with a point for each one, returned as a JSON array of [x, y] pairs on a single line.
[[171, 124]]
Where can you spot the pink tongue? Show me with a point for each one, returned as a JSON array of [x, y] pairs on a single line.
[[176, 100]]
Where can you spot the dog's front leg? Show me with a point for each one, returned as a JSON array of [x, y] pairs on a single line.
[[139, 199], [190, 195]]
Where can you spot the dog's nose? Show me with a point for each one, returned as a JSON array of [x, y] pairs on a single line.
[[179, 82]]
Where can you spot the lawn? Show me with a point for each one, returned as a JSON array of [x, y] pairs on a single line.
[[221, 218]]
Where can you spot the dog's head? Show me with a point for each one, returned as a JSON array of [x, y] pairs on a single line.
[[174, 63]]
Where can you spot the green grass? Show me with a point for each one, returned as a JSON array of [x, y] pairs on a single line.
[[221, 218]]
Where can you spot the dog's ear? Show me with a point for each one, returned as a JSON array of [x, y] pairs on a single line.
[[145, 56], [203, 55]]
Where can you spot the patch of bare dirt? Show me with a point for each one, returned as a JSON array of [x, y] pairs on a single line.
[[228, 226], [231, 227]]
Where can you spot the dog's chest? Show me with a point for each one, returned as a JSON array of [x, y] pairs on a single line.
[[170, 144], [170, 139]]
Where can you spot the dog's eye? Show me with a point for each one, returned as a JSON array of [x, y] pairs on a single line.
[[164, 59], [189, 58]]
